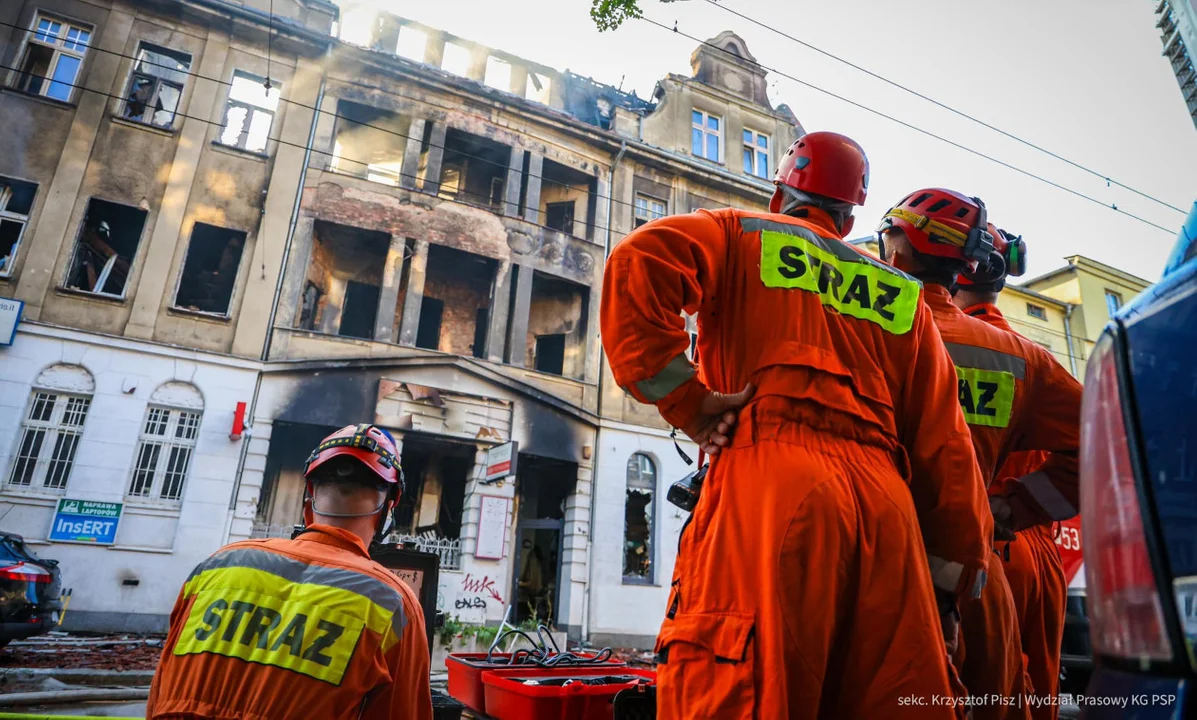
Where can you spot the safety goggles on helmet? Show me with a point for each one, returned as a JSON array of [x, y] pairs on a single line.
[[943, 223], [372, 446], [826, 164]]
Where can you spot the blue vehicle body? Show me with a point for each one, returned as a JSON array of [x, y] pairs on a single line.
[[1156, 337]]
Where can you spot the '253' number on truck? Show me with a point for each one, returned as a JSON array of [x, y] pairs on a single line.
[[1069, 538]]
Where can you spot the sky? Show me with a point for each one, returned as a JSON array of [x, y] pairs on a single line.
[[1082, 78]]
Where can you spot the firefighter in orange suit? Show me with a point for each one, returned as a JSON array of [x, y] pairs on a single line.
[[1015, 397], [310, 627], [1032, 561], [802, 587]]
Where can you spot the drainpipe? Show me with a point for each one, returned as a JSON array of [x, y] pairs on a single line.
[[278, 292], [1068, 338], [623, 148]]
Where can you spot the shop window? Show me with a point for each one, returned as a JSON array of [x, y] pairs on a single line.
[[210, 269], [164, 454], [156, 85], [106, 248], [648, 208], [638, 528], [249, 113], [51, 429], [16, 202], [53, 58], [1036, 311]]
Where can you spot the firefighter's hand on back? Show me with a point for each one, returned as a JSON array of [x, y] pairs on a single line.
[[711, 428]]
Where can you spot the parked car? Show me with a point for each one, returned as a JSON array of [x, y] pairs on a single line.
[[1139, 499], [30, 591]]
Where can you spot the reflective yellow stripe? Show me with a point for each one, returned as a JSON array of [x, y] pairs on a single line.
[[671, 377], [986, 396], [974, 356], [850, 285], [267, 608], [298, 632]]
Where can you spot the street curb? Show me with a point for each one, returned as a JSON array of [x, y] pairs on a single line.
[[83, 676]]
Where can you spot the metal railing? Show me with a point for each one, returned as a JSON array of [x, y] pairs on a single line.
[[448, 550]]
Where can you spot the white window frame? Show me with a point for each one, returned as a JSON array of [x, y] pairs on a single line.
[[60, 45], [148, 476], [757, 151], [5, 196], [646, 211], [147, 117], [61, 432], [251, 111], [1117, 298], [655, 498], [702, 126]]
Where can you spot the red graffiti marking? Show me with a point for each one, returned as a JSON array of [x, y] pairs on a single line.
[[476, 585]]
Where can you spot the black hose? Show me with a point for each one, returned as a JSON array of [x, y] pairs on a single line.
[[541, 655]]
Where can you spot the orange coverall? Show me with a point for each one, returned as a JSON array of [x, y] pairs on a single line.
[[304, 628], [802, 587], [1015, 396], [1033, 569]]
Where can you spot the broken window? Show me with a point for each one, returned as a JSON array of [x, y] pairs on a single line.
[[550, 353], [557, 326], [638, 520], [16, 202], [458, 284], [49, 437], [344, 281], [53, 56], [369, 142], [164, 453], [566, 197], [412, 43], [498, 73], [106, 248], [156, 85], [249, 112], [432, 314], [210, 269], [560, 216], [456, 60], [539, 88], [648, 208], [474, 169]]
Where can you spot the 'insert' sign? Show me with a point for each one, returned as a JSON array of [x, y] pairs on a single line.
[[85, 521]]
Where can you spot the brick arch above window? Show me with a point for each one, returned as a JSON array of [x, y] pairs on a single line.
[[178, 394], [66, 377]]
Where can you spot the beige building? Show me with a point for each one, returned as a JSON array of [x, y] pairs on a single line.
[[1064, 310]]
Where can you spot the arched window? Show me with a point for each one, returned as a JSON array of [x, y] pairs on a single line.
[[167, 443], [638, 541], [51, 429]]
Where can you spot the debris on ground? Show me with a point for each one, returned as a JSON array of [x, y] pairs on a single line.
[[634, 657], [97, 652]]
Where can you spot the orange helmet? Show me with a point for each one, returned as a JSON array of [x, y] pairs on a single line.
[[826, 164], [1008, 259], [372, 446], [943, 223]]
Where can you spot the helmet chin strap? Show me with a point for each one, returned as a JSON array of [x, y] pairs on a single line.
[[382, 528]]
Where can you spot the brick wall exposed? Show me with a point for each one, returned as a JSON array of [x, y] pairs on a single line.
[[462, 282]]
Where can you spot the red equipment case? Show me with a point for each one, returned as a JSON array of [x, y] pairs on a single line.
[[466, 671], [509, 699]]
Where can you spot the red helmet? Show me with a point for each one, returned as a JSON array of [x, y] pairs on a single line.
[[372, 446], [823, 163], [943, 223], [1009, 258]]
